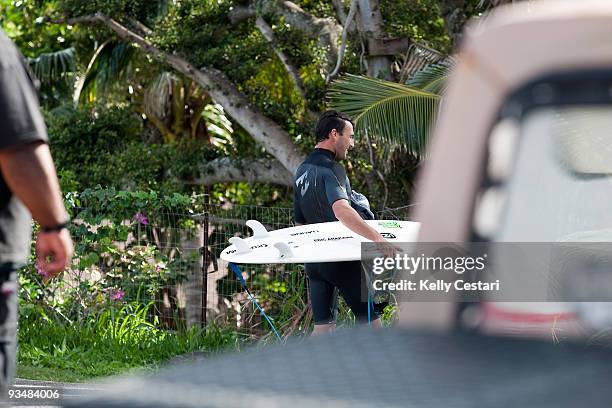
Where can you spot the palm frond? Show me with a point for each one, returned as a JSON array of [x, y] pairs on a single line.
[[109, 64], [158, 95], [53, 66], [219, 127], [388, 111], [433, 77]]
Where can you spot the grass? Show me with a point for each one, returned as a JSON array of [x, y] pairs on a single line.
[[114, 342], [49, 374], [117, 340]]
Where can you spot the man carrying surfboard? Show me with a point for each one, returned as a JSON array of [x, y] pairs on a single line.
[[321, 194]]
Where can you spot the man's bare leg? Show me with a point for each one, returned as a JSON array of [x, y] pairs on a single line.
[[376, 324], [323, 328]]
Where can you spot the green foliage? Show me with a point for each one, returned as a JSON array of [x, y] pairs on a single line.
[[284, 298], [47, 47], [244, 56], [388, 111], [85, 142], [272, 89], [143, 10], [237, 49], [116, 339], [53, 66], [105, 147], [433, 77], [419, 20], [110, 64], [99, 203], [123, 250], [22, 22]]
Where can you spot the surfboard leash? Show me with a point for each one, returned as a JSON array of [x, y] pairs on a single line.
[[369, 318], [238, 274]]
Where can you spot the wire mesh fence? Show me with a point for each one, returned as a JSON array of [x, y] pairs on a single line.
[[280, 289], [171, 263]]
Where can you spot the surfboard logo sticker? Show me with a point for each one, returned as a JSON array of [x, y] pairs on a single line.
[[303, 233], [332, 239], [390, 224], [259, 246], [388, 235]]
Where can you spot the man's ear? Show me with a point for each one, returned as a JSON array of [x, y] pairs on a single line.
[[333, 133]]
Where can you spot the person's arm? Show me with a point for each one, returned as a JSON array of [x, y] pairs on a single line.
[[349, 217], [30, 174]]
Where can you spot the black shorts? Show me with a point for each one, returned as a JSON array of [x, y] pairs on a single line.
[[348, 278], [8, 326]]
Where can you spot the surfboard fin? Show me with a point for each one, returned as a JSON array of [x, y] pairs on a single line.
[[240, 244], [284, 250], [259, 231]]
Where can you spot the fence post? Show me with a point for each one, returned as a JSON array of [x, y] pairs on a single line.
[[205, 256]]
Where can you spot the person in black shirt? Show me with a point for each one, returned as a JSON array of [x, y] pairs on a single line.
[[28, 187], [321, 194]]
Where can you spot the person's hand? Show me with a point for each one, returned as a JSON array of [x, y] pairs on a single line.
[[388, 249], [53, 252]]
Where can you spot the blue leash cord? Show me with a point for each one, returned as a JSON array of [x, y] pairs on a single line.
[[238, 274], [369, 319]]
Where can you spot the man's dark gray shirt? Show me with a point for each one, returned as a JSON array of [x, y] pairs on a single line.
[[20, 122], [319, 182]]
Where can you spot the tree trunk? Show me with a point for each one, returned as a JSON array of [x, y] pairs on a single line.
[[453, 13], [189, 292], [371, 26], [229, 170]]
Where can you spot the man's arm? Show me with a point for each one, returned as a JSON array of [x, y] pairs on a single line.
[[349, 217], [30, 174]]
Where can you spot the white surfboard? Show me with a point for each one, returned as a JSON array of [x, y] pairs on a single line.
[[324, 242]]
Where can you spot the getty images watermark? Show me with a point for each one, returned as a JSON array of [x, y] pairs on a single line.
[[413, 265], [507, 272]]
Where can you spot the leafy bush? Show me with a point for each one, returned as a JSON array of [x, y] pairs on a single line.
[[84, 142], [117, 338], [104, 146]]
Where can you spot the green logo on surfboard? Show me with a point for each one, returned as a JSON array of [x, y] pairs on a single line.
[[390, 224]]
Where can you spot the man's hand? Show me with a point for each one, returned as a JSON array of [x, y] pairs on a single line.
[[53, 252], [387, 248]]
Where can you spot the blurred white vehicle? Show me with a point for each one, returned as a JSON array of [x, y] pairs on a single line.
[[522, 152]]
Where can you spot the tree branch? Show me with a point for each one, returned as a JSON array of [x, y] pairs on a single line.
[[225, 170], [342, 17], [141, 27], [347, 23], [340, 13], [268, 34], [324, 30], [241, 13], [265, 131]]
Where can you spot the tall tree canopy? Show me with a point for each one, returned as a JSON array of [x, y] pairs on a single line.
[[245, 78]]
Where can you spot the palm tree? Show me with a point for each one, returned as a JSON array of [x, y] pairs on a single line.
[[158, 94], [397, 115], [55, 73]]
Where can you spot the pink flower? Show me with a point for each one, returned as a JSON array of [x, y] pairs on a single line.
[[157, 268], [118, 295], [41, 270], [141, 218]]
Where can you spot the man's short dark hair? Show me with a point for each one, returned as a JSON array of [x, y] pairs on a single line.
[[330, 120]]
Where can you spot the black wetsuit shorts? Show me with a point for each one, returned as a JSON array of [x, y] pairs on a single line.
[[349, 278]]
